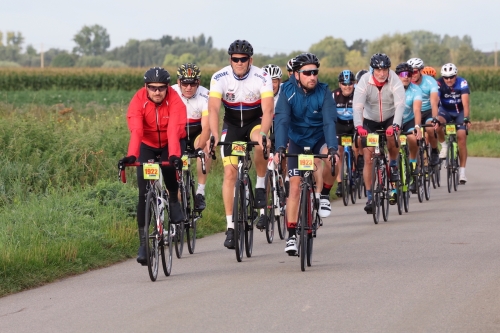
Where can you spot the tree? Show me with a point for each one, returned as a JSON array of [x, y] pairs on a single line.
[[398, 47], [90, 61], [331, 51], [63, 59], [454, 42], [91, 41], [467, 56], [434, 54], [420, 38], [170, 60], [209, 43], [1, 38], [14, 39], [355, 61], [360, 45]]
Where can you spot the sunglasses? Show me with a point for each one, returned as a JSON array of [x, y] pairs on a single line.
[[191, 84], [347, 84], [404, 74], [310, 72], [155, 88], [237, 60], [449, 77], [416, 71]]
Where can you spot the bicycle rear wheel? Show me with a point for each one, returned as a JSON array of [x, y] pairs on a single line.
[[455, 170], [310, 239], [408, 179], [353, 184], [251, 216], [376, 192], [385, 193], [426, 174], [344, 174], [449, 166], [281, 221], [239, 218], [269, 210], [152, 236], [191, 216], [166, 256], [399, 185], [305, 208]]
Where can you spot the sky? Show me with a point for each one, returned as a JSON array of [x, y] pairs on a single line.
[[271, 26]]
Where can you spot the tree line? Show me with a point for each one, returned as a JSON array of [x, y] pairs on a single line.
[[92, 50]]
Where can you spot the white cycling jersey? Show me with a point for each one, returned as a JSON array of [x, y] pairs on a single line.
[[241, 97], [196, 106]]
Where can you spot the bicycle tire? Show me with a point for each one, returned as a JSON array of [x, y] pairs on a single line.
[[282, 201], [455, 169], [399, 185], [375, 187], [269, 210], [251, 215], [193, 216], [151, 232], [239, 218], [408, 179], [426, 174], [354, 187], [385, 197], [437, 173], [179, 239], [344, 174], [303, 227], [167, 262], [449, 166], [310, 243]]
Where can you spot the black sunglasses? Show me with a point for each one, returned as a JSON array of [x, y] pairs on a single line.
[[191, 84], [449, 77], [347, 84], [309, 72], [236, 60], [155, 88]]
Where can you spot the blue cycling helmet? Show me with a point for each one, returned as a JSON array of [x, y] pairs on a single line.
[[346, 76]]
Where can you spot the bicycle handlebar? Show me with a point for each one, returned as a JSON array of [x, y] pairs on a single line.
[[332, 160], [121, 169], [249, 144]]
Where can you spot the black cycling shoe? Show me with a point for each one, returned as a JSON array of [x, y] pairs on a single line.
[[260, 198], [229, 242], [338, 192], [141, 255], [415, 171], [434, 158], [394, 174], [262, 223], [199, 202], [369, 207], [413, 188], [176, 214]]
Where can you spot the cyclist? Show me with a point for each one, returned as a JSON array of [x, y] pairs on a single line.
[[275, 73], [305, 117], [246, 92], [195, 97], [454, 97], [359, 74], [156, 119], [345, 125], [289, 69], [379, 102], [430, 103], [429, 71], [411, 118]]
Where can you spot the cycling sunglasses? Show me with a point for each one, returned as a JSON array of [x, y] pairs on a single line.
[[191, 84], [309, 72], [347, 83], [237, 60], [155, 88], [449, 77], [404, 74]]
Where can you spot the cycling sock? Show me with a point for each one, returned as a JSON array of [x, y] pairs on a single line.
[[369, 194], [413, 160], [291, 232], [201, 189], [326, 189], [229, 220], [261, 182], [393, 163]]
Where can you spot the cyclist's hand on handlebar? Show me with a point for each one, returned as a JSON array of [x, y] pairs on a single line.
[[436, 123], [279, 155], [361, 131], [418, 132], [176, 162], [332, 152], [391, 130], [467, 122], [126, 160]]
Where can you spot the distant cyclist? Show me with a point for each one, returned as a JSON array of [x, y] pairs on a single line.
[[246, 92], [195, 97], [379, 102], [156, 119], [430, 103], [359, 74], [275, 73], [305, 117], [289, 69], [454, 96], [411, 118]]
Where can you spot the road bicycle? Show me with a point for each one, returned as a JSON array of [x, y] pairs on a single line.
[[308, 220], [244, 211], [187, 229], [452, 156], [403, 200], [428, 172], [158, 228], [351, 178]]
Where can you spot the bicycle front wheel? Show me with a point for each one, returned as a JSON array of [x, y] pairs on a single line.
[[302, 224], [166, 256], [152, 236], [376, 191], [449, 166], [455, 168], [191, 215], [344, 174], [281, 221], [239, 218], [385, 193], [426, 173], [271, 205]]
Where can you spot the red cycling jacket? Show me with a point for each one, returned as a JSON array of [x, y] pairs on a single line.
[[156, 125]]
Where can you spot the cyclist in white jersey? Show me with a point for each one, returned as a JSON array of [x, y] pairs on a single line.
[[275, 73], [195, 97], [246, 92]]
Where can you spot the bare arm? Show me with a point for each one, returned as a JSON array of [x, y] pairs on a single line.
[[214, 104], [205, 132], [267, 105], [435, 104]]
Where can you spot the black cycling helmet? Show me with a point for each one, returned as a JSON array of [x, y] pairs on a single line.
[[360, 74], [157, 75], [241, 47], [304, 59], [346, 76], [188, 72], [380, 60], [404, 67]]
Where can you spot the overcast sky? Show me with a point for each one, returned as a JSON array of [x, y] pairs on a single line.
[[270, 26]]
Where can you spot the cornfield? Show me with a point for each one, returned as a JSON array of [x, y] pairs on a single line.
[[480, 79]]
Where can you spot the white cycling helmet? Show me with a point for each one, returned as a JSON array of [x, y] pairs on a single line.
[[273, 71], [449, 70], [289, 65], [416, 63]]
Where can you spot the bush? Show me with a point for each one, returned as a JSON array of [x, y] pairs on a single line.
[[90, 61], [63, 60], [9, 64]]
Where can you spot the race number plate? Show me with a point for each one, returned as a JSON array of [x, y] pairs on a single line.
[[151, 171], [372, 140], [402, 139], [451, 129], [238, 148], [185, 162], [346, 141], [306, 162]]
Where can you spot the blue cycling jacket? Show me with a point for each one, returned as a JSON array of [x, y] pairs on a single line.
[[305, 118]]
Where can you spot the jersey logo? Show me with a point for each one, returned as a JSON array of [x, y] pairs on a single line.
[[463, 84], [218, 76], [230, 97], [251, 97]]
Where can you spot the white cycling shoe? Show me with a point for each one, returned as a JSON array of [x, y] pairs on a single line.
[[325, 208]]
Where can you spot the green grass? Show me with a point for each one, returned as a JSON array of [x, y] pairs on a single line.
[[485, 106], [62, 208]]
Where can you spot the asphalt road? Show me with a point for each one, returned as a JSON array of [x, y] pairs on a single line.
[[435, 269]]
